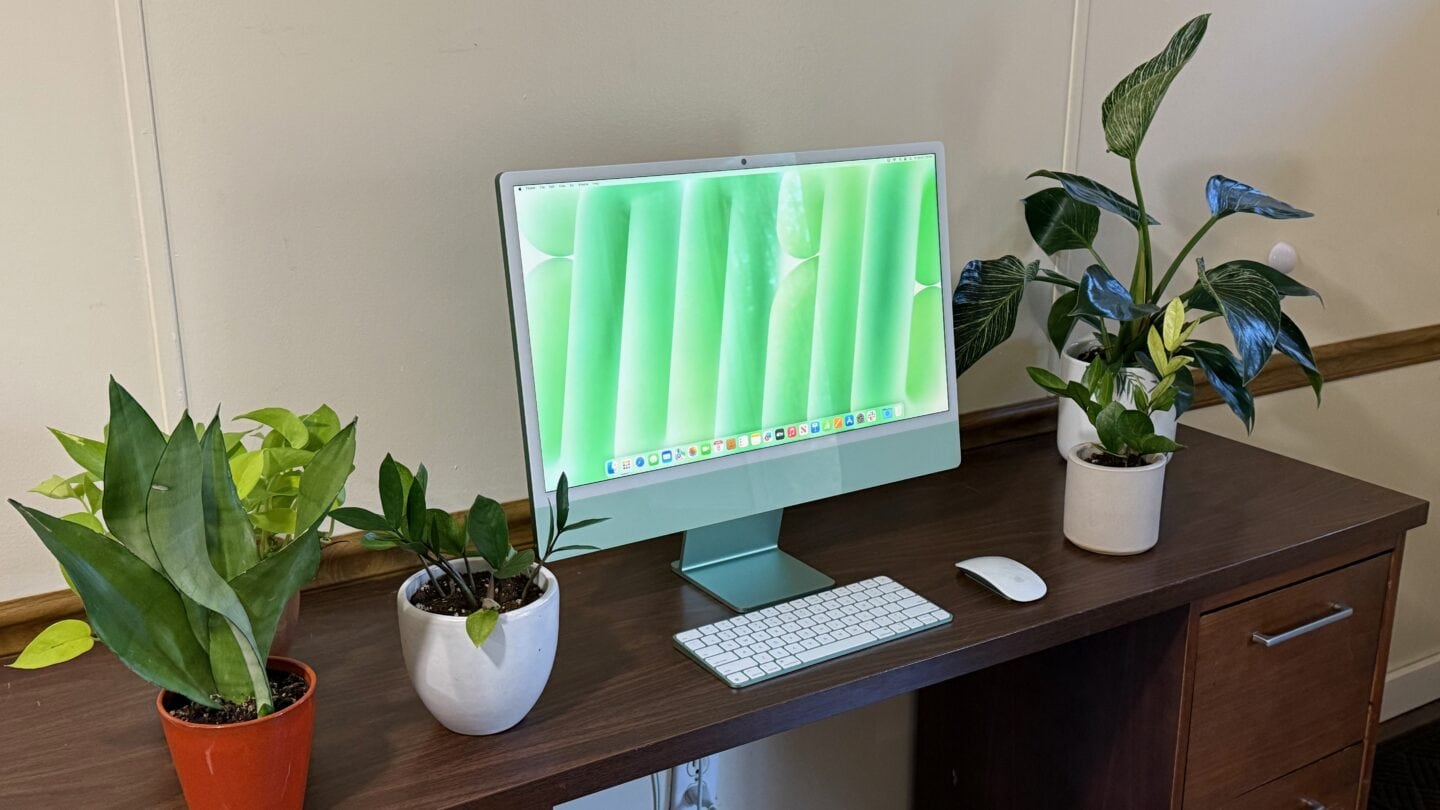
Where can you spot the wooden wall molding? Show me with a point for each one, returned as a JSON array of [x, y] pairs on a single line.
[[344, 560]]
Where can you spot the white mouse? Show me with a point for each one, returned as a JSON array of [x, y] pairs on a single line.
[[1010, 579]]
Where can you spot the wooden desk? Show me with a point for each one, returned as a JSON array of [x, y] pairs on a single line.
[[622, 703]]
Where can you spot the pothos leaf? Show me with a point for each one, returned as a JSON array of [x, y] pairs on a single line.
[[56, 644]]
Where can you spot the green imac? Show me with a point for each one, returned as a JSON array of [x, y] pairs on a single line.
[[701, 343]]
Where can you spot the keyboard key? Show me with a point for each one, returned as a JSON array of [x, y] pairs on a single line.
[[707, 652], [755, 672], [736, 666], [770, 667], [834, 648], [688, 635], [737, 678], [722, 658]]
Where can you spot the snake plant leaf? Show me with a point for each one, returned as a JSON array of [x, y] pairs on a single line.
[[133, 448], [1059, 222], [88, 453], [1293, 345], [62, 641], [228, 536], [269, 584], [131, 606], [324, 478], [1223, 369], [1228, 197], [175, 512], [488, 530], [1103, 296], [1097, 194], [1251, 306], [282, 421], [986, 305], [1127, 112]]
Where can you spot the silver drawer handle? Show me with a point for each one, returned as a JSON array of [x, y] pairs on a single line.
[[1338, 612]]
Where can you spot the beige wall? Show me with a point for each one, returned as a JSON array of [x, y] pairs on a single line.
[[307, 212]]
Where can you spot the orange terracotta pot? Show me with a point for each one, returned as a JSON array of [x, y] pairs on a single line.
[[260, 763]]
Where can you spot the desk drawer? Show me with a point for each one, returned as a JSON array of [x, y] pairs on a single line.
[[1283, 680], [1333, 783]]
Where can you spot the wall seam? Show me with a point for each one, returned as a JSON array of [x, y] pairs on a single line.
[[150, 209]]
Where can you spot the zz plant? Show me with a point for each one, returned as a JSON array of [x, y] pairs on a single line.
[[1127, 435], [173, 581], [439, 538], [1247, 294]]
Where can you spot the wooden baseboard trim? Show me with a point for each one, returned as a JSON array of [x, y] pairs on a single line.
[[345, 561]]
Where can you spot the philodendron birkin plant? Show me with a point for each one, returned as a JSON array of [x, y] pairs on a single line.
[[174, 585], [267, 463], [1066, 219], [1114, 485], [480, 621]]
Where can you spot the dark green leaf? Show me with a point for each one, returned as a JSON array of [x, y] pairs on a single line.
[[1097, 194], [1135, 426], [562, 503], [131, 607], [1293, 345], [392, 492], [1062, 320], [448, 534], [1060, 222], [132, 450], [362, 519], [88, 453], [1108, 426], [324, 479], [228, 535], [1251, 307], [1288, 287], [1228, 197], [580, 524], [573, 547], [1103, 296], [489, 531], [264, 590], [1223, 370], [415, 510], [374, 543], [986, 305], [1047, 380], [1155, 443], [1127, 112], [518, 564]]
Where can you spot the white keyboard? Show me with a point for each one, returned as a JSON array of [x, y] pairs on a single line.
[[767, 643]]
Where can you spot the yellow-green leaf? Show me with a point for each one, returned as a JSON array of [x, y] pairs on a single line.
[[1174, 323], [283, 421], [87, 520], [480, 624], [56, 644], [1156, 345], [245, 469], [88, 453], [53, 487]]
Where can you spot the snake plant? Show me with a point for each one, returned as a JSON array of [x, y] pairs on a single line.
[[1246, 294], [175, 585]]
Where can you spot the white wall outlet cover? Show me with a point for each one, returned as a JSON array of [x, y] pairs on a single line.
[[1283, 257], [692, 785]]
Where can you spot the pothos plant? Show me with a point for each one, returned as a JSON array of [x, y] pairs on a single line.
[[1247, 294], [441, 541], [1127, 434], [174, 583]]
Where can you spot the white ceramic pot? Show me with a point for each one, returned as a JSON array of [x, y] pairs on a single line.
[[1073, 427], [1113, 510], [482, 690]]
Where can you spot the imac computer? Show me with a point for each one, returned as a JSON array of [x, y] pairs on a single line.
[[702, 343]]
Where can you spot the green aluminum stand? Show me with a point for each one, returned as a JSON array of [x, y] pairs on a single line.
[[739, 562]]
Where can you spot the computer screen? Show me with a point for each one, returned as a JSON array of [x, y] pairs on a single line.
[[676, 319]]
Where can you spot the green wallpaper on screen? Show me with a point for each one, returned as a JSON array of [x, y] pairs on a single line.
[[677, 310]]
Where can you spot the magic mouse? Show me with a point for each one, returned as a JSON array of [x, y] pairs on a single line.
[[1005, 576]]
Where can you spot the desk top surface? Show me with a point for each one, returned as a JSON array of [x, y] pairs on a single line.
[[623, 703]]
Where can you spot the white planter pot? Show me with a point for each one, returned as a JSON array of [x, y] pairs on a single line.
[[482, 690], [1073, 427], [1113, 510]]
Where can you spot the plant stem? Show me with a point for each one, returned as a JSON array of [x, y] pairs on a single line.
[[1180, 257], [1140, 284], [464, 588], [1098, 259]]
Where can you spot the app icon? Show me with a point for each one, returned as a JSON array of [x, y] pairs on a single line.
[[742, 441], [888, 413], [610, 467], [839, 422], [860, 418], [626, 463], [639, 462], [654, 459], [666, 457], [769, 436], [869, 416], [849, 420], [730, 443], [899, 411], [718, 445], [804, 430], [704, 449], [754, 438], [814, 427], [693, 451], [790, 432]]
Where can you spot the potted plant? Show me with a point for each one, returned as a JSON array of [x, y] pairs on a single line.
[[1246, 294], [1114, 485], [478, 630], [178, 590], [266, 462]]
